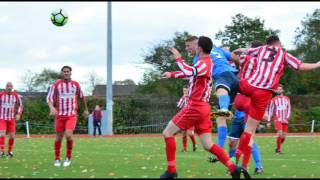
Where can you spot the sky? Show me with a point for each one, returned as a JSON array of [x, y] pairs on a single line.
[[30, 42]]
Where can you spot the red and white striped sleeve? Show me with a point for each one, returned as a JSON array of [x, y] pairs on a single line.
[[181, 102], [253, 51], [199, 69], [20, 109], [51, 94], [80, 91], [270, 110], [178, 74], [242, 59], [289, 108], [292, 61]]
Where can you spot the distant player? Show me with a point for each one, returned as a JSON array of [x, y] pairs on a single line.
[[62, 99], [190, 132], [271, 62], [11, 108], [280, 109], [197, 111]]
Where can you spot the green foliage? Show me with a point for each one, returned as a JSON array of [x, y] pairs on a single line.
[[242, 31], [131, 113], [307, 49], [46, 78], [308, 37], [162, 60], [313, 113], [36, 112]]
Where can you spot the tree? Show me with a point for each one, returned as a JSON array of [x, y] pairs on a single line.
[[161, 60], [46, 78], [242, 31], [39, 82], [28, 80], [307, 39], [307, 49], [91, 81]]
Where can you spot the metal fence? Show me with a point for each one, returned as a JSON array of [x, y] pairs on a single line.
[[28, 128]]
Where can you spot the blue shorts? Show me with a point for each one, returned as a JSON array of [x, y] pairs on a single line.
[[230, 82], [237, 128]]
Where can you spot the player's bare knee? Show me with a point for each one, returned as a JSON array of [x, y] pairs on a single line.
[[59, 136], [11, 136], [166, 133], [207, 146], [232, 143]]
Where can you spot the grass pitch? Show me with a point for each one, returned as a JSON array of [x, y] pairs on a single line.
[[144, 157]]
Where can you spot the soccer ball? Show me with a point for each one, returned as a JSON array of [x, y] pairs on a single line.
[[59, 17]]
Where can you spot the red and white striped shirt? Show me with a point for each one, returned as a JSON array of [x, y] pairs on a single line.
[[10, 105], [271, 61], [200, 80], [279, 106], [182, 102], [65, 94], [247, 66]]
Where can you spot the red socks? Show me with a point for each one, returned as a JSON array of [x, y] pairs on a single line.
[[279, 142], [222, 156], [57, 149], [243, 144], [2, 138], [11, 142], [184, 142], [69, 149], [246, 157], [171, 154]]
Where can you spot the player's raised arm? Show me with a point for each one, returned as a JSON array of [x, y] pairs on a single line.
[[199, 69], [309, 66]]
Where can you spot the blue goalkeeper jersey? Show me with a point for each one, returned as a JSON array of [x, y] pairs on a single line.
[[220, 59]]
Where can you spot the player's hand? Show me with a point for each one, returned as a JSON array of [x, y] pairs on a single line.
[[175, 53], [166, 75], [53, 111], [18, 117], [268, 125]]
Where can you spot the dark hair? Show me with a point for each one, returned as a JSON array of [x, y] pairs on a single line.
[[255, 44], [191, 38], [281, 85], [186, 86], [66, 67], [272, 39], [205, 43]]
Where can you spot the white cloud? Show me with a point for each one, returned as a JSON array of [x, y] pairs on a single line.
[[30, 41], [39, 54]]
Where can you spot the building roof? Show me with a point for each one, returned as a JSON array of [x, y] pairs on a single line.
[[117, 90], [30, 94]]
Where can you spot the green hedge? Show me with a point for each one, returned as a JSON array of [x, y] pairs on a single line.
[[130, 113]]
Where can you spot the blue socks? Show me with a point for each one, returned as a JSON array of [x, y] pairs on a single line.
[[256, 155], [232, 152], [224, 101], [222, 136]]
